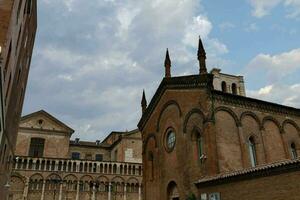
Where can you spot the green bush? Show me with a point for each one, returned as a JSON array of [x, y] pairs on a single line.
[[191, 197]]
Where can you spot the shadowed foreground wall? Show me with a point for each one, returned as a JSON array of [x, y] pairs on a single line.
[[275, 187]]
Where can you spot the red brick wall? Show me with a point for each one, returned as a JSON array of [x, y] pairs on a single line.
[[182, 164], [228, 143], [277, 187], [15, 30], [225, 136]]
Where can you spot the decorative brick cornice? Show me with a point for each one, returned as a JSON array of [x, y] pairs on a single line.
[[182, 82], [254, 104]]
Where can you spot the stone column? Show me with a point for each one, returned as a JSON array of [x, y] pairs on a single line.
[[45, 166], [25, 191], [67, 165], [77, 192], [33, 166], [16, 164], [140, 191], [125, 191], [109, 191], [60, 191], [40, 166], [27, 165], [56, 166], [43, 190], [94, 191]]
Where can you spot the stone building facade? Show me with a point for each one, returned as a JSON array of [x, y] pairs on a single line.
[[48, 165], [209, 141], [18, 23]]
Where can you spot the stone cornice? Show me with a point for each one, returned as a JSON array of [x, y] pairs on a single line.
[[89, 146], [47, 131], [182, 82], [253, 104]]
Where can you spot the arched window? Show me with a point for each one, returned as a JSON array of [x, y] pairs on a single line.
[[234, 88], [171, 139], [293, 151], [150, 165], [200, 146], [224, 86], [252, 151]]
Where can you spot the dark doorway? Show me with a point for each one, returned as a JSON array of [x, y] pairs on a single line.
[[172, 191]]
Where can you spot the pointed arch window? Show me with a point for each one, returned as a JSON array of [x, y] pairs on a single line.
[[150, 165], [200, 146], [252, 151], [293, 151]]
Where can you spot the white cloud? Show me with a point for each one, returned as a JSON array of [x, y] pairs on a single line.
[[262, 8], [226, 26], [218, 47], [65, 77], [278, 74], [276, 66], [200, 26], [279, 93], [265, 90], [252, 27], [103, 53], [294, 6], [125, 17]]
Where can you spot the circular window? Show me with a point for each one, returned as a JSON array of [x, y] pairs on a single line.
[[170, 140]]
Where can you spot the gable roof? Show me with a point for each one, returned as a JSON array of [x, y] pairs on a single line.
[[179, 82], [44, 113], [125, 133]]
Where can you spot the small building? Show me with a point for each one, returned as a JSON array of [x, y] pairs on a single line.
[[48, 165]]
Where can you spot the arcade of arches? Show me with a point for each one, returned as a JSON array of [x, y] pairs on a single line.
[[74, 186], [50, 166]]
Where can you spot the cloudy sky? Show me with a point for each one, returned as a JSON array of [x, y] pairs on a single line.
[[92, 59]]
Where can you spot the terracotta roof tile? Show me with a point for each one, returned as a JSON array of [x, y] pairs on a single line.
[[242, 172]]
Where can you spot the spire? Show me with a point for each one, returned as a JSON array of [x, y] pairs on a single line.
[[144, 102], [201, 57], [167, 65]]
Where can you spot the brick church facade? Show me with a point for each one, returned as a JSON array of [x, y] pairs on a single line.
[[203, 138]]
